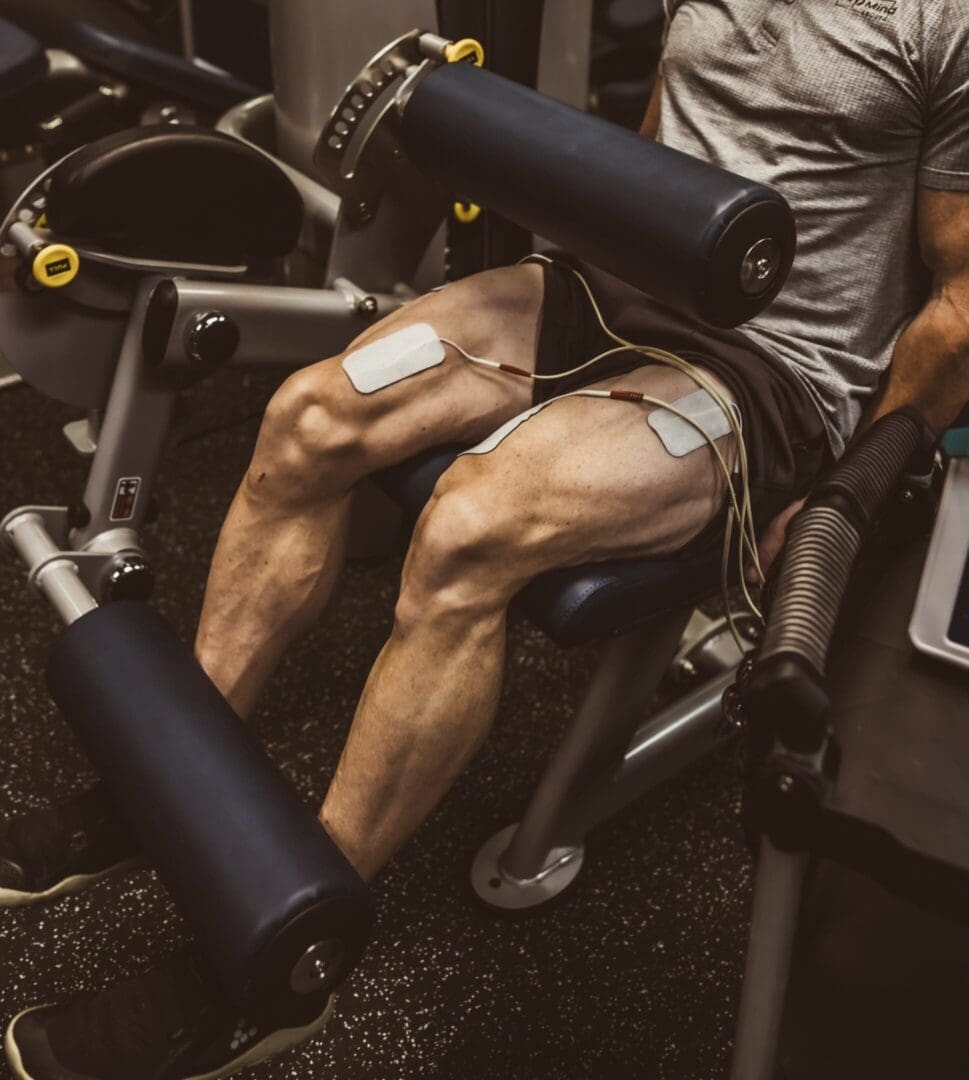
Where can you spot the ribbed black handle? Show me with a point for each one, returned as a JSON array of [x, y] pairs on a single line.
[[825, 538]]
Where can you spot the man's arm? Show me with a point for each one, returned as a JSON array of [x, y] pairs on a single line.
[[650, 125], [930, 365]]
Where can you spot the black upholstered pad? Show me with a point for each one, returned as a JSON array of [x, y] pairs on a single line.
[[109, 37], [175, 192], [23, 61], [583, 603], [52, 20]]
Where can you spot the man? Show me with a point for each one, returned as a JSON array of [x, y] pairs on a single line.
[[858, 111]]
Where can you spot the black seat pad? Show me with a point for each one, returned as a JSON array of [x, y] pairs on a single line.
[[175, 192], [578, 604], [23, 61]]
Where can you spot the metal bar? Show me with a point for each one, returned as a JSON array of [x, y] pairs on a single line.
[[58, 577], [594, 745], [187, 26], [563, 70], [777, 905], [133, 437], [278, 326], [670, 741]]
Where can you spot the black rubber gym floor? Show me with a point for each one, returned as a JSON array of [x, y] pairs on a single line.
[[635, 974]]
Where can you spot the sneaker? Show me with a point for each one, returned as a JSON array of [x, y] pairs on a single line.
[[172, 1023], [63, 849]]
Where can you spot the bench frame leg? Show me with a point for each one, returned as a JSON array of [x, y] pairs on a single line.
[[608, 757], [777, 905]]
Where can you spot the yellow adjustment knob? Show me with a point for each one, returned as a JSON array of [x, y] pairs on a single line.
[[465, 49], [56, 265], [467, 212]]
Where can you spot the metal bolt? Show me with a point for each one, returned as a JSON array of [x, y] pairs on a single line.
[[315, 966], [760, 266], [785, 783], [907, 495], [686, 669], [364, 212]]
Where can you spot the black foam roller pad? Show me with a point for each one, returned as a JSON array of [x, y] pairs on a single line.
[[674, 226], [251, 867]]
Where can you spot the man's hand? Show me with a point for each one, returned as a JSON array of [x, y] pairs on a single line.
[[771, 542]]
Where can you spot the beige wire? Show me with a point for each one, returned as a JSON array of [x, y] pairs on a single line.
[[744, 516]]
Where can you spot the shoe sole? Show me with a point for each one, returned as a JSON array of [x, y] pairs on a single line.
[[273, 1044], [14, 898]]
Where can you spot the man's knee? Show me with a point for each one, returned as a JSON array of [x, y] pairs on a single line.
[[311, 437], [462, 558]]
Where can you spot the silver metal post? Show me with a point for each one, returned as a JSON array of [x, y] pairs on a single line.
[[54, 573], [777, 905], [186, 18], [596, 741], [317, 49], [668, 742]]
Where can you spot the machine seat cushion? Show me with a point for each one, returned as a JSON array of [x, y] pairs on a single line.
[[23, 61], [580, 604], [175, 192]]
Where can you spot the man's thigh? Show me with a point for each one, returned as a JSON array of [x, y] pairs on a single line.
[[495, 314], [588, 479]]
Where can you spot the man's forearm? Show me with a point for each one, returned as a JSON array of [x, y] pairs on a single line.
[[930, 365]]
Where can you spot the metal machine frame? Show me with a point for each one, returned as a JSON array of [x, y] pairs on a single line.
[[375, 218]]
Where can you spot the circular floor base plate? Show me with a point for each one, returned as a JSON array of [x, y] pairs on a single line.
[[498, 889]]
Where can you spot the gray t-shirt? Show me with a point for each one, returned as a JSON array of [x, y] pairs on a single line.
[[845, 106]]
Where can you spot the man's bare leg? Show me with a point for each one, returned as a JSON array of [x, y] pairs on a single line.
[[282, 545], [582, 481]]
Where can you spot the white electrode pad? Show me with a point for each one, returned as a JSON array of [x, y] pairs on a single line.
[[680, 437], [395, 357]]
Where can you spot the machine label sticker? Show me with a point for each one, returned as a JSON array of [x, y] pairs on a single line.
[[61, 266], [125, 498]]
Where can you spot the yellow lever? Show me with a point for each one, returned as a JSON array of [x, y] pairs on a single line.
[[56, 265], [465, 49], [466, 212]]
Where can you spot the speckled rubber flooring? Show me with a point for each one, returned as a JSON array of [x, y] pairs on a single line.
[[636, 974]]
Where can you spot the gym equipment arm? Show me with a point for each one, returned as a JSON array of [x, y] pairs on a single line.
[[694, 236], [785, 689]]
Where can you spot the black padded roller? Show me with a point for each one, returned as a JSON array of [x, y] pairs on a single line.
[[673, 226], [251, 867]]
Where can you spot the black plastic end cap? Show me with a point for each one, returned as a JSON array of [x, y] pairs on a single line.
[[787, 699]]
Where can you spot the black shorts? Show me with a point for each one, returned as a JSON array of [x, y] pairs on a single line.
[[787, 446]]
